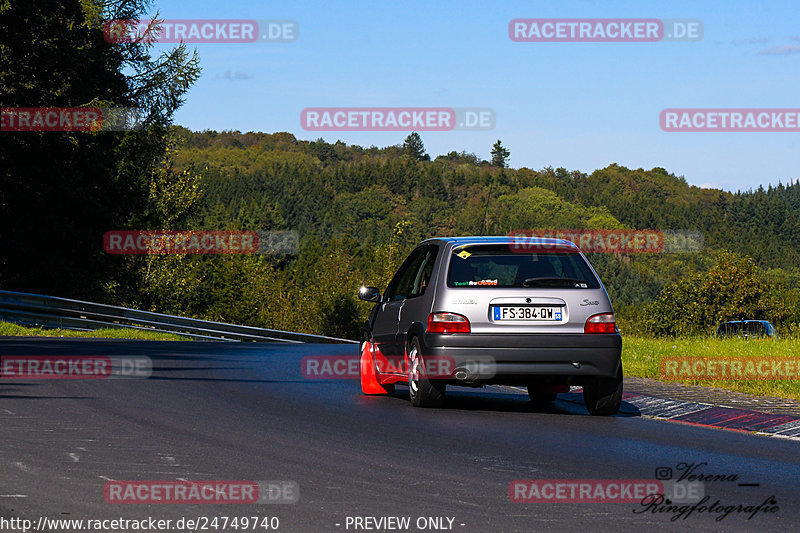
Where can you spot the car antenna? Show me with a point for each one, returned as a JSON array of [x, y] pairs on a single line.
[[485, 227]]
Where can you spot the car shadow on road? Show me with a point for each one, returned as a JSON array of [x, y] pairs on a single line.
[[464, 399]]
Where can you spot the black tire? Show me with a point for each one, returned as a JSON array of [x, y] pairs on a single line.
[[603, 396], [422, 392], [540, 398]]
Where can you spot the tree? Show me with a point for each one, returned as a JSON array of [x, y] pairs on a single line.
[[499, 154], [413, 146], [60, 191], [462, 158], [733, 289]]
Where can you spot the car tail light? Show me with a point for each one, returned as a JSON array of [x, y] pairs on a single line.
[[447, 323], [602, 323]]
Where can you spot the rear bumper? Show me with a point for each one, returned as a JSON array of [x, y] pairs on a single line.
[[534, 355]]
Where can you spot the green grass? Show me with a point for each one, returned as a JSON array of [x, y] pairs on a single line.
[[7, 328], [642, 357]]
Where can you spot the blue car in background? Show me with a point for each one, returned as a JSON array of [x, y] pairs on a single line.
[[746, 329]]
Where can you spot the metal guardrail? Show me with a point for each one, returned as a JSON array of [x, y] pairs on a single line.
[[54, 312]]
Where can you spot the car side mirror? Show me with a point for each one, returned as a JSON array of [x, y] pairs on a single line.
[[369, 294]]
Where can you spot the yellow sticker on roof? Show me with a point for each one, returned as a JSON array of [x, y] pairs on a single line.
[[463, 254]]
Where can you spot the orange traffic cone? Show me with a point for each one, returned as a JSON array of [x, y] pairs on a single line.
[[369, 377]]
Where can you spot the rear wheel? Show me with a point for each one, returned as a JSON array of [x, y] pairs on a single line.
[[422, 391], [603, 396], [540, 398]]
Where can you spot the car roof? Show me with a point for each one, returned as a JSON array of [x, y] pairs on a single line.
[[499, 239]]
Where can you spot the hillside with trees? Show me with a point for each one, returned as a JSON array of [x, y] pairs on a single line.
[[360, 210]]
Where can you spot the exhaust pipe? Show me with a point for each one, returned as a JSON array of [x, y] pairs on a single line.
[[461, 375]]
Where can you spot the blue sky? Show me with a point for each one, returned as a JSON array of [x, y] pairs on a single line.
[[574, 105]]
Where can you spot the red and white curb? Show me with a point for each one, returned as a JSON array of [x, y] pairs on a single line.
[[713, 416], [701, 414]]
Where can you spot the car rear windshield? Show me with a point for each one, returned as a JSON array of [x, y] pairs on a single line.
[[727, 329], [498, 266]]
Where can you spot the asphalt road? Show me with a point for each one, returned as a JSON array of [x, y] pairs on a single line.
[[232, 411]]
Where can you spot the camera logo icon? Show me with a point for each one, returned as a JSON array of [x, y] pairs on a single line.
[[663, 473]]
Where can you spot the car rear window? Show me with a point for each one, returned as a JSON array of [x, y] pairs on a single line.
[[497, 266], [732, 329]]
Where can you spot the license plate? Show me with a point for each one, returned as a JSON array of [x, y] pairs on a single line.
[[507, 313]]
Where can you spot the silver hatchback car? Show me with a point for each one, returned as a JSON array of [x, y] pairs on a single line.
[[472, 311]]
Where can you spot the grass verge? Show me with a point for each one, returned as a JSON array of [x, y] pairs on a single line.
[[7, 328], [642, 357]]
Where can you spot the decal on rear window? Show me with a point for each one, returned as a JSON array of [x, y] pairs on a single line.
[[497, 266]]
